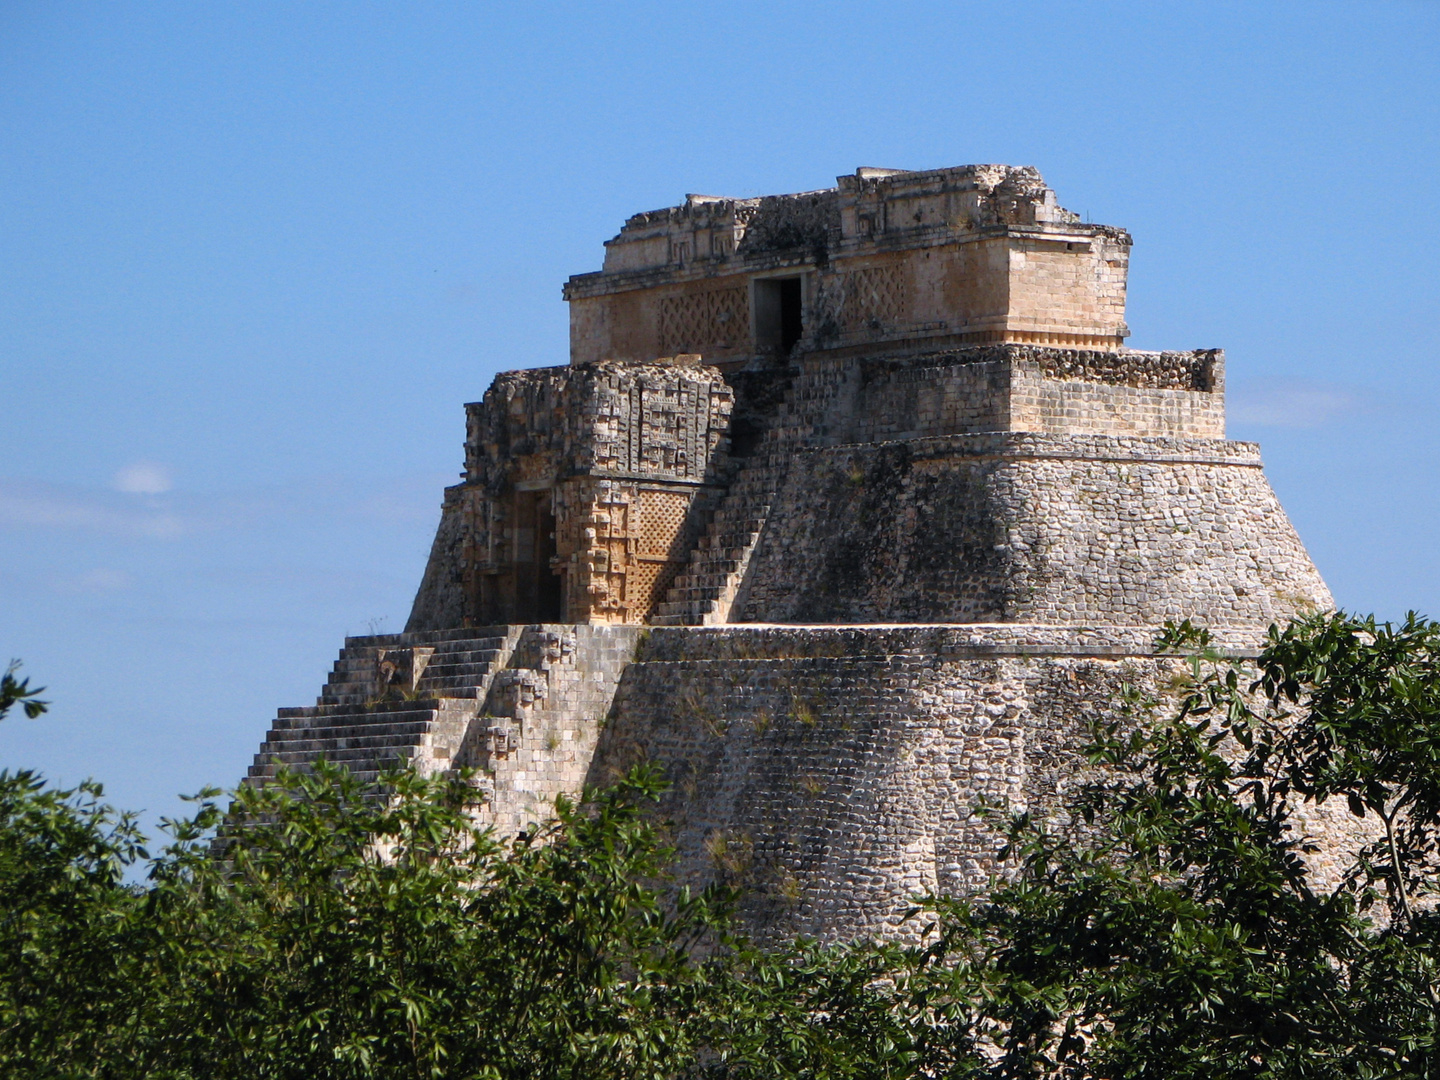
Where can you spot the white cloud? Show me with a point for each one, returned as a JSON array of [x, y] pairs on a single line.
[[1293, 405], [143, 478], [54, 506]]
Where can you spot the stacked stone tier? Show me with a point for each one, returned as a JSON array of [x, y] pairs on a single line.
[[365, 740], [458, 668], [368, 723], [833, 773], [704, 593]]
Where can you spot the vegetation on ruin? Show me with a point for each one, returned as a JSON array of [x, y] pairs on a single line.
[[1165, 927]]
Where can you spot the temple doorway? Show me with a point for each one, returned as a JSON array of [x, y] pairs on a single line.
[[539, 589]]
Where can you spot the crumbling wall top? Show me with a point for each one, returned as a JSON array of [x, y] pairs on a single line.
[[861, 207], [975, 254]]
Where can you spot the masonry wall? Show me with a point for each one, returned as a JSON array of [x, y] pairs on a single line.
[[598, 477], [1055, 391], [1016, 527], [855, 399], [976, 289], [1083, 407], [707, 316], [969, 255], [910, 400], [834, 773], [534, 737], [1060, 285]]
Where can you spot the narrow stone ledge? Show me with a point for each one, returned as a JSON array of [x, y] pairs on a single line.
[[1033, 446], [780, 641]]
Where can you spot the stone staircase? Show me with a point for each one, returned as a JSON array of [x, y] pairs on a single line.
[[391, 699], [708, 589], [704, 593]]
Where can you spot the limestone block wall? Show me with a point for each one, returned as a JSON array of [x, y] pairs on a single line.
[[663, 421], [855, 399], [976, 288], [1013, 527], [1061, 286], [534, 737], [911, 400], [710, 317], [833, 773], [1076, 392], [974, 254]]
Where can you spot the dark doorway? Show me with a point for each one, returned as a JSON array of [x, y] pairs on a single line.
[[539, 591], [779, 321], [549, 590], [790, 326]]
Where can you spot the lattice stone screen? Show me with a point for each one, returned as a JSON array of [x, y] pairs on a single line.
[[717, 318], [876, 294], [662, 518]]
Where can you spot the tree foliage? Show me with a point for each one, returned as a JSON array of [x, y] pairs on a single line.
[[329, 932], [15, 691], [1167, 922], [1171, 927]]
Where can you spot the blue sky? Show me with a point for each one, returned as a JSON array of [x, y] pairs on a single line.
[[254, 257]]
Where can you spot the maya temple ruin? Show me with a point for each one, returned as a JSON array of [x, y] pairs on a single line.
[[851, 508]]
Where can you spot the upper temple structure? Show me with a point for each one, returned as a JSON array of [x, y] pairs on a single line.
[[849, 508]]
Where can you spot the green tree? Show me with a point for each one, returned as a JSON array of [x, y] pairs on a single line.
[[67, 949], [1164, 925], [15, 691], [336, 930], [1170, 928]]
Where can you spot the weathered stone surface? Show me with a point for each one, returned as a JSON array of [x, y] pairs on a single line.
[[834, 772], [584, 489], [1079, 530], [979, 253], [902, 512]]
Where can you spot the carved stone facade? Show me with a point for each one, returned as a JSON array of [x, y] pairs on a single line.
[[972, 255], [585, 488], [900, 508]]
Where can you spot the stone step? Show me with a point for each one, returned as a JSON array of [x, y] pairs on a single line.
[[339, 735], [741, 510], [380, 751], [404, 730], [457, 674], [719, 547], [703, 575], [723, 546], [427, 637], [694, 593], [463, 692], [397, 729], [682, 609], [477, 664], [440, 648], [416, 705], [341, 715], [363, 665], [266, 772], [348, 728], [747, 524]]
